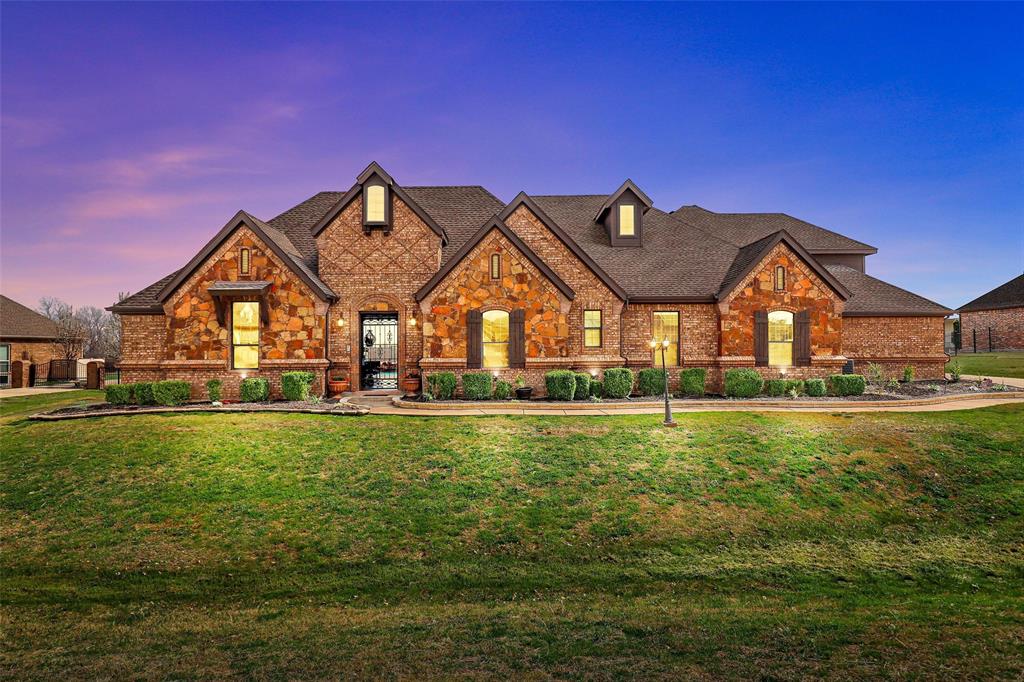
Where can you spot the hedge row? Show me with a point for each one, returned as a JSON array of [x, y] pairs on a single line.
[[747, 383], [169, 393]]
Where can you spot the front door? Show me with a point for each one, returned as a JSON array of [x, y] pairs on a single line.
[[378, 351]]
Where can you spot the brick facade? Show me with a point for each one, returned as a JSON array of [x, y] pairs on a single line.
[[1007, 325], [38, 353], [894, 343]]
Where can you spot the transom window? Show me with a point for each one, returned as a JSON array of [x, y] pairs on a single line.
[[627, 220], [245, 334], [375, 200], [495, 266], [244, 257], [780, 338], [592, 328], [780, 278], [665, 325], [495, 339]]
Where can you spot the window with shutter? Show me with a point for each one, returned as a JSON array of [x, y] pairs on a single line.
[[802, 333], [517, 339], [495, 339]]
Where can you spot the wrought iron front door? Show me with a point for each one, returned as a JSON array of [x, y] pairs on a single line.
[[378, 350]]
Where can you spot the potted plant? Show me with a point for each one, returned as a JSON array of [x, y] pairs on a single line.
[[523, 392], [411, 382], [337, 385]]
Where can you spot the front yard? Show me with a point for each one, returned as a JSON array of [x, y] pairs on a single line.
[[1004, 364], [289, 546]]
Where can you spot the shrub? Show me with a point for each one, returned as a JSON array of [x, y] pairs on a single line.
[[442, 385], [477, 385], [892, 385], [692, 381], [618, 382], [213, 390], [650, 381], [295, 385], [561, 384], [876, 375], [815, 387], [743, 383], [142, 393], [847, 384], [502, 390], [955, 371], [797, 385], [119, 394], [171, 392], [596, 388], [582, 386], [255, 390], [775, 387], [908, 374]]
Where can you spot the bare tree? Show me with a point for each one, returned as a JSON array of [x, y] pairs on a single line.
[[95, 324], [70, 337]]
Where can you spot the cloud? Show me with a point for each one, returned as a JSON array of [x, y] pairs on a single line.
[[21, 131], [134, 203]]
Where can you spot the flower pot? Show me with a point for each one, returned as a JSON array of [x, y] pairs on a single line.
[[411, 384], [337, 386], [524, 393]]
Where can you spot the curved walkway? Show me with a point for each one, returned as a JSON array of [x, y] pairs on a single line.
[[385, 405]]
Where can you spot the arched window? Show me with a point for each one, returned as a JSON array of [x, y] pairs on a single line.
[[495, 339], [376, 197], [780, 338]]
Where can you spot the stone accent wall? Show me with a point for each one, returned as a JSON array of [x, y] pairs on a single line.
[[376, 272], [38, 353], [894, 343], [591, 292], [297, 317], [1007, 329], [470, 287], [804, 290]]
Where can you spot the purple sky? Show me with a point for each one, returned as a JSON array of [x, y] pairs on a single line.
[[132, 132]]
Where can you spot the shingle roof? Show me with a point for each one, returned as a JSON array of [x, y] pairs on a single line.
[[20, 322], [871, 296], [1009, 295], [145, 298], [743, 228], [674, 261], [460, 210]]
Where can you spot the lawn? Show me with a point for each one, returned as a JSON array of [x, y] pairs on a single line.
[[737, 545], [1004, 364]]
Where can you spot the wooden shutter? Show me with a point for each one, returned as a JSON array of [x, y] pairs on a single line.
[[517, 338], [761, 338], [802, 338], [474, 338]]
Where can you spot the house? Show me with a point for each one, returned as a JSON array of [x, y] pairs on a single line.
[[386, 279], [28, 337], [996, 319]]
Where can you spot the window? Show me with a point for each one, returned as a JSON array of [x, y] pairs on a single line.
[[375, 204], [591, 328], [495, 266], [627, 220], [665, 325], [780, 278], [495, 339], [245, 334], [780, 338], [5, 364], [243, 261]]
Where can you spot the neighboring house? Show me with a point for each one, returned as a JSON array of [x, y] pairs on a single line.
[[385, 279], [27, 336], [1001, 311]]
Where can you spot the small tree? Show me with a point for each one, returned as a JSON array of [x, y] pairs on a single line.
[[70, 336]]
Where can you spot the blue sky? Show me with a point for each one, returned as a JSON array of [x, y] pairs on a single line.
[[132, 132]]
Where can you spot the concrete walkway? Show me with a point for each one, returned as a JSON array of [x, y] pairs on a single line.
[[383, 405], [20, 392], [1009, 381]]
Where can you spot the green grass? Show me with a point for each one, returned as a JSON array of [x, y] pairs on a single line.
[[1005, 364], [737, 545]]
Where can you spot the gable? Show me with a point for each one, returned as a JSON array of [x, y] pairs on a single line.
[[803, 281], [752, 256]]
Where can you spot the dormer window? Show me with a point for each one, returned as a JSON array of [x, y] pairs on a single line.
[[375, 205], [627, 220]]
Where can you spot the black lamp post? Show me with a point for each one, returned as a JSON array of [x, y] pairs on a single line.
[[668, 410]]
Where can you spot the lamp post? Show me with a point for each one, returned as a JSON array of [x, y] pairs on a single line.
[[668, 410]]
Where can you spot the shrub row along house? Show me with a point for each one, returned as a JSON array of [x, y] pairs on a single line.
[[386, 280]]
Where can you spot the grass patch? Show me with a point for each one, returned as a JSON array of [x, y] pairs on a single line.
[[737, 545], [1004, 364]]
